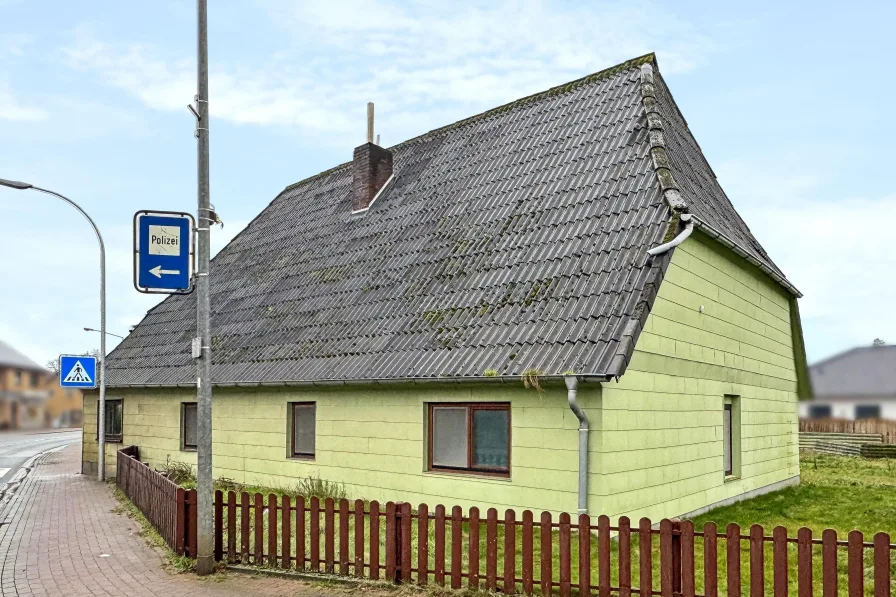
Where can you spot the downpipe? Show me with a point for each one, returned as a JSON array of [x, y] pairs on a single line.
[[572, 387]]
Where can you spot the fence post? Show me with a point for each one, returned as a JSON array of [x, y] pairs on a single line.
[[676, 556], [180, 520], [396, 548]]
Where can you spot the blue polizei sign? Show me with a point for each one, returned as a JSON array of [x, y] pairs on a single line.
[[77, 371], [163, 252]]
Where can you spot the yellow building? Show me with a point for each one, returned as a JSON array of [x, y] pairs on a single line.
[[551, 305]]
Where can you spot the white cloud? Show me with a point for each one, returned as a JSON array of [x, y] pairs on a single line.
[[837, 250], [422, 58], [15, 110]]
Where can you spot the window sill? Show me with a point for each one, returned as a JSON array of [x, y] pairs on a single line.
[[301, 457], [188, 449], [483, 475], [111, 440], [730, 478]]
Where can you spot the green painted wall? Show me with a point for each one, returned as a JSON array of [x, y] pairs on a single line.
[[661, 440], [656, 444], [373, 440]]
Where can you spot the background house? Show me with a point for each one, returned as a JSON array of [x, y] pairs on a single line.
[[439, 321], [30, 396], [859, 383]]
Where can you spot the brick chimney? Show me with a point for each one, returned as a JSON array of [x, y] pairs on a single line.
[[371, 169]]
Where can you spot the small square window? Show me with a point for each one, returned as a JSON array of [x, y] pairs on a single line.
[[303, 429], [188, 425], [114, 416], [470, 437]]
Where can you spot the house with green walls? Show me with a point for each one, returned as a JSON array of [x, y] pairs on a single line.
[[551, 305]]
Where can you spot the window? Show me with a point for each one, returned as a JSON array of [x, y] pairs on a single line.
[[18, 377], [113, 419], [867, 411], [188, 425], [820, 411], [35, 380], [470, 437], [731, 436], [303, 422]]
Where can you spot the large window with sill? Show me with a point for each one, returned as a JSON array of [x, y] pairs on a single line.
[[303, 423], [114, 416], [473, 438]]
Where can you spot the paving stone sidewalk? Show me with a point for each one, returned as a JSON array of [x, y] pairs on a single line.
[[62, 537]]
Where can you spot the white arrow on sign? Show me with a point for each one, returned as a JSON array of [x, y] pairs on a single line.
[[157, 271]]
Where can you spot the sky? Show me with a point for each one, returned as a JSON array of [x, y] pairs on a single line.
[[790, 102]]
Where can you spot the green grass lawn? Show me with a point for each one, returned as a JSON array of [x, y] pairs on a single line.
[[841, 493]]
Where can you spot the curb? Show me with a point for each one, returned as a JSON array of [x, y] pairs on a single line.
[[13, 484]]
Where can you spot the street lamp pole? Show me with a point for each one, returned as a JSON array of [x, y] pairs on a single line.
[[101, 331], [101, 432]]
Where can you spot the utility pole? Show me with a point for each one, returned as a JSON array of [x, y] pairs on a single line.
[[205, 561]]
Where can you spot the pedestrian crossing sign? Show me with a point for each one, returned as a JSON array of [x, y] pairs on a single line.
[[77, 371]]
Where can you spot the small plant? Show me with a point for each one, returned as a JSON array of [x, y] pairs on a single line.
[[490, 373], [226, 484], [179, 472], [310, 487], [530, 379]]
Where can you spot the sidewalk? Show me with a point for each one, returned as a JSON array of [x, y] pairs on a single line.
[[61, 538]]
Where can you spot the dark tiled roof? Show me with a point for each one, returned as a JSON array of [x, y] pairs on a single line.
[[512, 240], [863, 371]]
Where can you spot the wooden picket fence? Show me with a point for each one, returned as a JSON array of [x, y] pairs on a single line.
[[521, 554], [885, 428]]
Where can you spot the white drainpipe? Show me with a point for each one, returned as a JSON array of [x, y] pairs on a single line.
[[572, 386]]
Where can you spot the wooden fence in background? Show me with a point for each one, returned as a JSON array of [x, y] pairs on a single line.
[[518, 553], [882, 427]]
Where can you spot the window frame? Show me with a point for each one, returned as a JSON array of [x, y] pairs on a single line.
[[111, 438], [183, 426], [471, 407], [292, 431], [814, 411], [732, 404]]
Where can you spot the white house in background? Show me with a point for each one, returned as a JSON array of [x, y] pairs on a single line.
[[856, 384]]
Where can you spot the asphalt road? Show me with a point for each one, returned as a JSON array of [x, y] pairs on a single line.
[[17, 447]]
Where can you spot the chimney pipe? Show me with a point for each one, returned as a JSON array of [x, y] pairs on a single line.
[[371, 169]]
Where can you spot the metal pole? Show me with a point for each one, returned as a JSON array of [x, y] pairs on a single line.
[[101, 432], [205, 561]]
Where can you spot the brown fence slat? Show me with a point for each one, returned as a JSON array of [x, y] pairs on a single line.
[[666, 557], [732, 534], [473, 579], [645, 553], [285, 533], [757, 561], [374, 540], [439, 547], [585, 554], [300, 533], [779, 560], [231, 527], [272, 530], [509, 552], [258, 539], [527, 553], [565, 561], [710, 560], [343, 537], [391, 556], [180, 531], [314, 533], [603, 555], [457, 516], [882, 565], [329, 535], [192, 521], [804, 562], [829, 563], [405, 534], [359, 538], [491, 550], [422, 545], [855, 576], [688, 588], [219, 525], [244, 528], [547, 561], [625, 556]]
